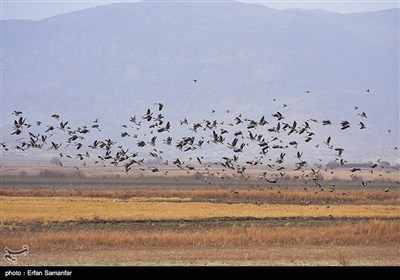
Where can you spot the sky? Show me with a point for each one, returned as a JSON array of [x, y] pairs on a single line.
[[36, 10]]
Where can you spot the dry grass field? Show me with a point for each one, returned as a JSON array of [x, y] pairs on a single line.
[[340, 195], [151, 225], [64, 209]]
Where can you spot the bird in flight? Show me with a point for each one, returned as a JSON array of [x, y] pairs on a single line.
[[160, 105], [194, 80], [362, 125]]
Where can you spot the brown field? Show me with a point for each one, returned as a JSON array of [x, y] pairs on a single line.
[[262, 195], [372, 232], [91, 171], [82, 222]]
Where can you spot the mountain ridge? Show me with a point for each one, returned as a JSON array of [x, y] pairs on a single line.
[[119, 59]]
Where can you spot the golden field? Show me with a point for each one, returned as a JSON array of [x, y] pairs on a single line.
[[62, 209]]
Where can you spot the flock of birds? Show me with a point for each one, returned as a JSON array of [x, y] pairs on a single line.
[[269, 139]]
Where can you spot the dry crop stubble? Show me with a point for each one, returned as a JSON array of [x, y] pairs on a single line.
[[365, 233], [62, 209], [292, 195]]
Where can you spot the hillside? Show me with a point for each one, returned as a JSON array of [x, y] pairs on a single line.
[[114, 61]]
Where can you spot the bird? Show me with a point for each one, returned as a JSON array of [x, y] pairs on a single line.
[[363, 115], [55, 146], [3, 144], [16, 132], [328, 140], [354, 169], [278, 115], [194, 80], [345, 125], [362, 125], [160, 105], [17, 113]]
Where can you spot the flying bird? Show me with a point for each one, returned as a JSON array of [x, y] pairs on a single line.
[[160, 106], [363, 115], [345, 125], [362, 125]]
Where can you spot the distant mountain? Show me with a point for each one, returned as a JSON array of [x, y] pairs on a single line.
[[113, 61]]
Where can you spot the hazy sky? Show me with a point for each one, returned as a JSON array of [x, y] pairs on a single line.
[[34, 9]]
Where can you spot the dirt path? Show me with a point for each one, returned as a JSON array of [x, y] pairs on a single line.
[[231, 256]]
